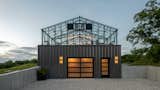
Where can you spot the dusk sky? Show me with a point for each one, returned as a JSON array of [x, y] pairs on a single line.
[[21, 20]]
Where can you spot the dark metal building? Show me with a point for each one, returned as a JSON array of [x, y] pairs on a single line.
[[80, 47]]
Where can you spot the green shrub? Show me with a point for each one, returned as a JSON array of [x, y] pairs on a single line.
[[42, 74]]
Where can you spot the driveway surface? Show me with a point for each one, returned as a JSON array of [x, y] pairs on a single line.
[[94, 84]]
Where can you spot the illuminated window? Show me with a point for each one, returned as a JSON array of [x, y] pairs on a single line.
[[60, 59], [116, 59]]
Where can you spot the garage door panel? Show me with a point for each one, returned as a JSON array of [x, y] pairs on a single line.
[[74, 70], [87, 60], [80, 67], [86, 64], [73, 64], [86, 74], [72, 60], [74, 75], [87, 70]]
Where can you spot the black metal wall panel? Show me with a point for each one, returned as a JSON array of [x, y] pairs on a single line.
[[48, 57]]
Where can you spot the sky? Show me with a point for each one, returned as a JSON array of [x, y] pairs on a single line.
[[21, 20]]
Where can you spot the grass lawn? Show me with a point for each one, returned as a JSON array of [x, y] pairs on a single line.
[[19, 67]]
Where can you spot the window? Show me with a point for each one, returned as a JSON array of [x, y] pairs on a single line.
[[69, 26], [89, 26]]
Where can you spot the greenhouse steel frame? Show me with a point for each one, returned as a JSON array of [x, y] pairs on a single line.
[[96, 34]]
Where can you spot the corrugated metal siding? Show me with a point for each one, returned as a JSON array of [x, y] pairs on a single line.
[[49, 58]]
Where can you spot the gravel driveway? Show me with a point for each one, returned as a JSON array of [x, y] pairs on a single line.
[[94, 84]]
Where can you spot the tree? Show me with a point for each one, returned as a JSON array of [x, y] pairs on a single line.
[[139, 52], [147, 30], [154, 53], [136, 54]]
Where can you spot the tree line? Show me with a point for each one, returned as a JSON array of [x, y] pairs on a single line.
[[11, 63]]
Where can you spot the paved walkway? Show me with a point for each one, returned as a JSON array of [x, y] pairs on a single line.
[[94, 84]]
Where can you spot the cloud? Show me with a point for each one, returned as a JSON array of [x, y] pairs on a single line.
[[5, 47], [10, 51], [6, 44]]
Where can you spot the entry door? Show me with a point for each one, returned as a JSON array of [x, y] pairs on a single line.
[[80, 67], [104, 67]]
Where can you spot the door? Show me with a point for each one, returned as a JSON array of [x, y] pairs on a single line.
[[105, 67], [80, 67]]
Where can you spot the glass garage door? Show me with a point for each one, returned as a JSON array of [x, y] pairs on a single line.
[[80, 67]]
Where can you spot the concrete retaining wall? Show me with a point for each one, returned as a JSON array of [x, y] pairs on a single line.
[[134, 71], [17, 79], [153, 73], [146, 72]]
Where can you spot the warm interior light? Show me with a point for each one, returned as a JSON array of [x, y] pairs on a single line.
[[61, 62], [86, 60], [104, 67], [60, 59], [116, 59], [73, 60]]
